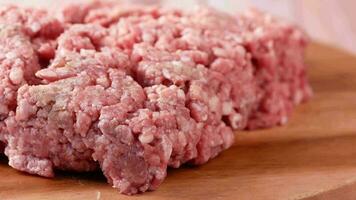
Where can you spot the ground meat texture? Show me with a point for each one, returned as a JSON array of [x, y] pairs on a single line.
[[27, 43], [152, 36], [82, 82], [61, 122], [77, 13], [277, 51], [34, 22], [134, 90], [160, 133], [173, 48], [18, 65], [192, 54], [205, 91], [79, 47], [139, 35], [163, 129], [58, 126], [38, 25]]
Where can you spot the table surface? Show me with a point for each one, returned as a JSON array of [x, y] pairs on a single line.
[[313, 157]]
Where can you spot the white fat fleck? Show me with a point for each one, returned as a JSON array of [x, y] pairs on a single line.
[[182, 138], [228, 140], [62, 51], [176, 63], [186, 59], [167, 147], [241, 50], [214, 103], [18, 43], [249, 37], [11, 55], [16, 75], [235, 120], [18, 63], [162, 19], [166, 73], [147, 37], [139, 50], [180, 94], [219, 52], [146, 138], [227, 108], [238, 39], [200, 125], [204, 117], [103, 81], [35, 27], [97, 104], [259, 32], [155, 115], [46, 73], [86, 52]]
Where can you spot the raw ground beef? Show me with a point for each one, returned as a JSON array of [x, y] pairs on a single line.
[[24, 38], [277, 51], [133, 90]]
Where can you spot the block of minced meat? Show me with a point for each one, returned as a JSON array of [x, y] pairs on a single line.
[[193, 52], [160, 129], [206, 38], [59, 120], [27, 42], [273, 48], [133, 90]]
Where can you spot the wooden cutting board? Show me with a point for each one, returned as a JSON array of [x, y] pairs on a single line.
[[313, 157]]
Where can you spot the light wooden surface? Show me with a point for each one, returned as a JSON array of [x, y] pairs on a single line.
[[313, 157]]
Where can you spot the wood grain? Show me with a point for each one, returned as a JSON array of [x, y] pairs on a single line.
[[313, 157]]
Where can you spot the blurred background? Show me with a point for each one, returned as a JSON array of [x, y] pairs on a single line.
[[328, 21]]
